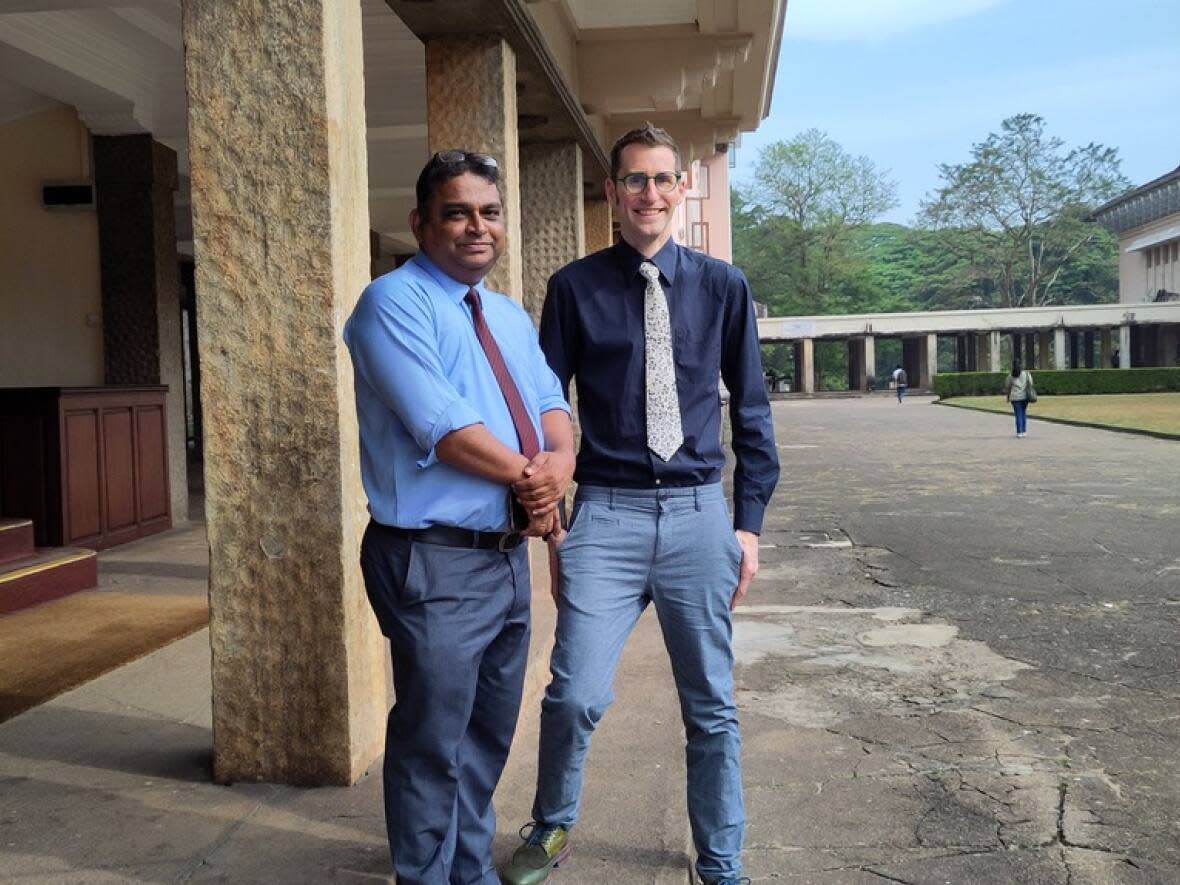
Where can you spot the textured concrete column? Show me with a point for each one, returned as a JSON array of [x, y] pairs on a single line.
[[552, 225], [1043, 339], [471, 104], [598, 225], [1105, 349], [993, 352], [1124, 347], [870, 354], [929, 367], [1059, 349], [135, 178], [280, 217], [806, 366]]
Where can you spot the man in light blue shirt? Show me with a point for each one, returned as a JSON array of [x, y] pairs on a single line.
[[452, 391]]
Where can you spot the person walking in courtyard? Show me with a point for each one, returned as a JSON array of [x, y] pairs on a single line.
[[1020, 391], [454, 403], [899, 381], [647, 328]]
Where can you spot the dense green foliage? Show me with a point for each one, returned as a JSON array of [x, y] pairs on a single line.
[[1063, 383], [806, 238]]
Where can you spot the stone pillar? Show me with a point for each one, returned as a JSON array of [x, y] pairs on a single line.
[[1124, 347], [281, 232], [993, 352], [1043, 339], [1059, 348], [471, 104], [1105, 349], [805, 367], [1088, 349], [870, 361], [135, 178], [551, 224], [598, 225], [929, 367]]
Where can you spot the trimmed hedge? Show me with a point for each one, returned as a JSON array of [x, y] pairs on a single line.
[[1061, 383]]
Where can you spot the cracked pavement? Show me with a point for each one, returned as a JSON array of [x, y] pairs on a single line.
[[981, 687]]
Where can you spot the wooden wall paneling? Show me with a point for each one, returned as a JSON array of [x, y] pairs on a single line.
[[81, 476]]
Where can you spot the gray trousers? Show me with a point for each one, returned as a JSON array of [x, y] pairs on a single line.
[[458, 627]]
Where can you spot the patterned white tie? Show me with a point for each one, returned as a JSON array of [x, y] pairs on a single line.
[[664, 431]]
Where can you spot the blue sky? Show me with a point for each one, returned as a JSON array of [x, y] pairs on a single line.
[[914, 83]]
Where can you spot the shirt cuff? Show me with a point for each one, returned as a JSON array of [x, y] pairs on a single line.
[[748, 516], [552, 403], [454, 417]]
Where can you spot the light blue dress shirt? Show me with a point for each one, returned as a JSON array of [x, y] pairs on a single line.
[[420, 374]]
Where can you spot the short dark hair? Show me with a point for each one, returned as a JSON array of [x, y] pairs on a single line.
[[445, 165], [647, 135]]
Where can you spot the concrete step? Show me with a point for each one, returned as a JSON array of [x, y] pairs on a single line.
[[16, 539], [633, 824], [49, 573]]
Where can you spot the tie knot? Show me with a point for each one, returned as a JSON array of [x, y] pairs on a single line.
[[472, 298], [650, 272]]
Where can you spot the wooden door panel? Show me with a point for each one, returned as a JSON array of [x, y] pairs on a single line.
[[119, 461], [82, 491], [153, 463]]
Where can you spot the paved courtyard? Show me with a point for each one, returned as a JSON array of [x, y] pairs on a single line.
[[959, 665]]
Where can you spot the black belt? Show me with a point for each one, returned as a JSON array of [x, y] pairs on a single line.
[[452, 536]]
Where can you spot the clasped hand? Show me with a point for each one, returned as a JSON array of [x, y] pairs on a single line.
[[543, 483]]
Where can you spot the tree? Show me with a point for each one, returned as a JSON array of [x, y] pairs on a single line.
[[1019, 206], [810, 194]]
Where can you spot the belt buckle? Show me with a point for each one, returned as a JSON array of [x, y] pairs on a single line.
[[509, 541]]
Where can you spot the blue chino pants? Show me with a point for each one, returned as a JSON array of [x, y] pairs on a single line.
[[458, 627], [674, 548]]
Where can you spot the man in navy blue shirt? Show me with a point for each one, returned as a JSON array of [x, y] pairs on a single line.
[[452, 391], [648, 329]]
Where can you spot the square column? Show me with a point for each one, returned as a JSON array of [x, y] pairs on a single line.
[[1124, 347], [281, 231], [471, 104], [993, 352], [1059, 348], [135, 180], [597, 217], [552, 224], [870, 361], [805, 365], [929, 366]]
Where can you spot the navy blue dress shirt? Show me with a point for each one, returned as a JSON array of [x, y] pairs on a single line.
[[592, 332]]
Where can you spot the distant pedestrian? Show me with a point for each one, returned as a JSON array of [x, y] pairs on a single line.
[[1114, 359], [1020, 391], [899, 381]]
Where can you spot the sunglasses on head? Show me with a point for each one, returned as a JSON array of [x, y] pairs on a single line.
[[448, 157]]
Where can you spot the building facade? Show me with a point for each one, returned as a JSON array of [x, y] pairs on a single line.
[[195, 193]]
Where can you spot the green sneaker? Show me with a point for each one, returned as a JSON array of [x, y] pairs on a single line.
[[545, 848]]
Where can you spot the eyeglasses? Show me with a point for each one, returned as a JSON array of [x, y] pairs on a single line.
[[636, 182], [447, 157]]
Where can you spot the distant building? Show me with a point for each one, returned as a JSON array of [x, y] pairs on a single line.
[[1147, 221]]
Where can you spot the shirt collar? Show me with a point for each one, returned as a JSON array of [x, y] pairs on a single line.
[[452, 288], [666, 259]]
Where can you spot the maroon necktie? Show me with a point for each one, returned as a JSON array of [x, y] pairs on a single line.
[[529, 445]]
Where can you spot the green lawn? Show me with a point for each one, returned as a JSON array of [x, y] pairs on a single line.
[[1156, 412]]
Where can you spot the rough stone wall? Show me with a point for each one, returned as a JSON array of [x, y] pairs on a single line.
[[552, 225], [598, 225], [280, 217], [471, 104]]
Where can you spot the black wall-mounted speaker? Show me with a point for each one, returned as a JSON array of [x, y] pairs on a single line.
[[78, 195]]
